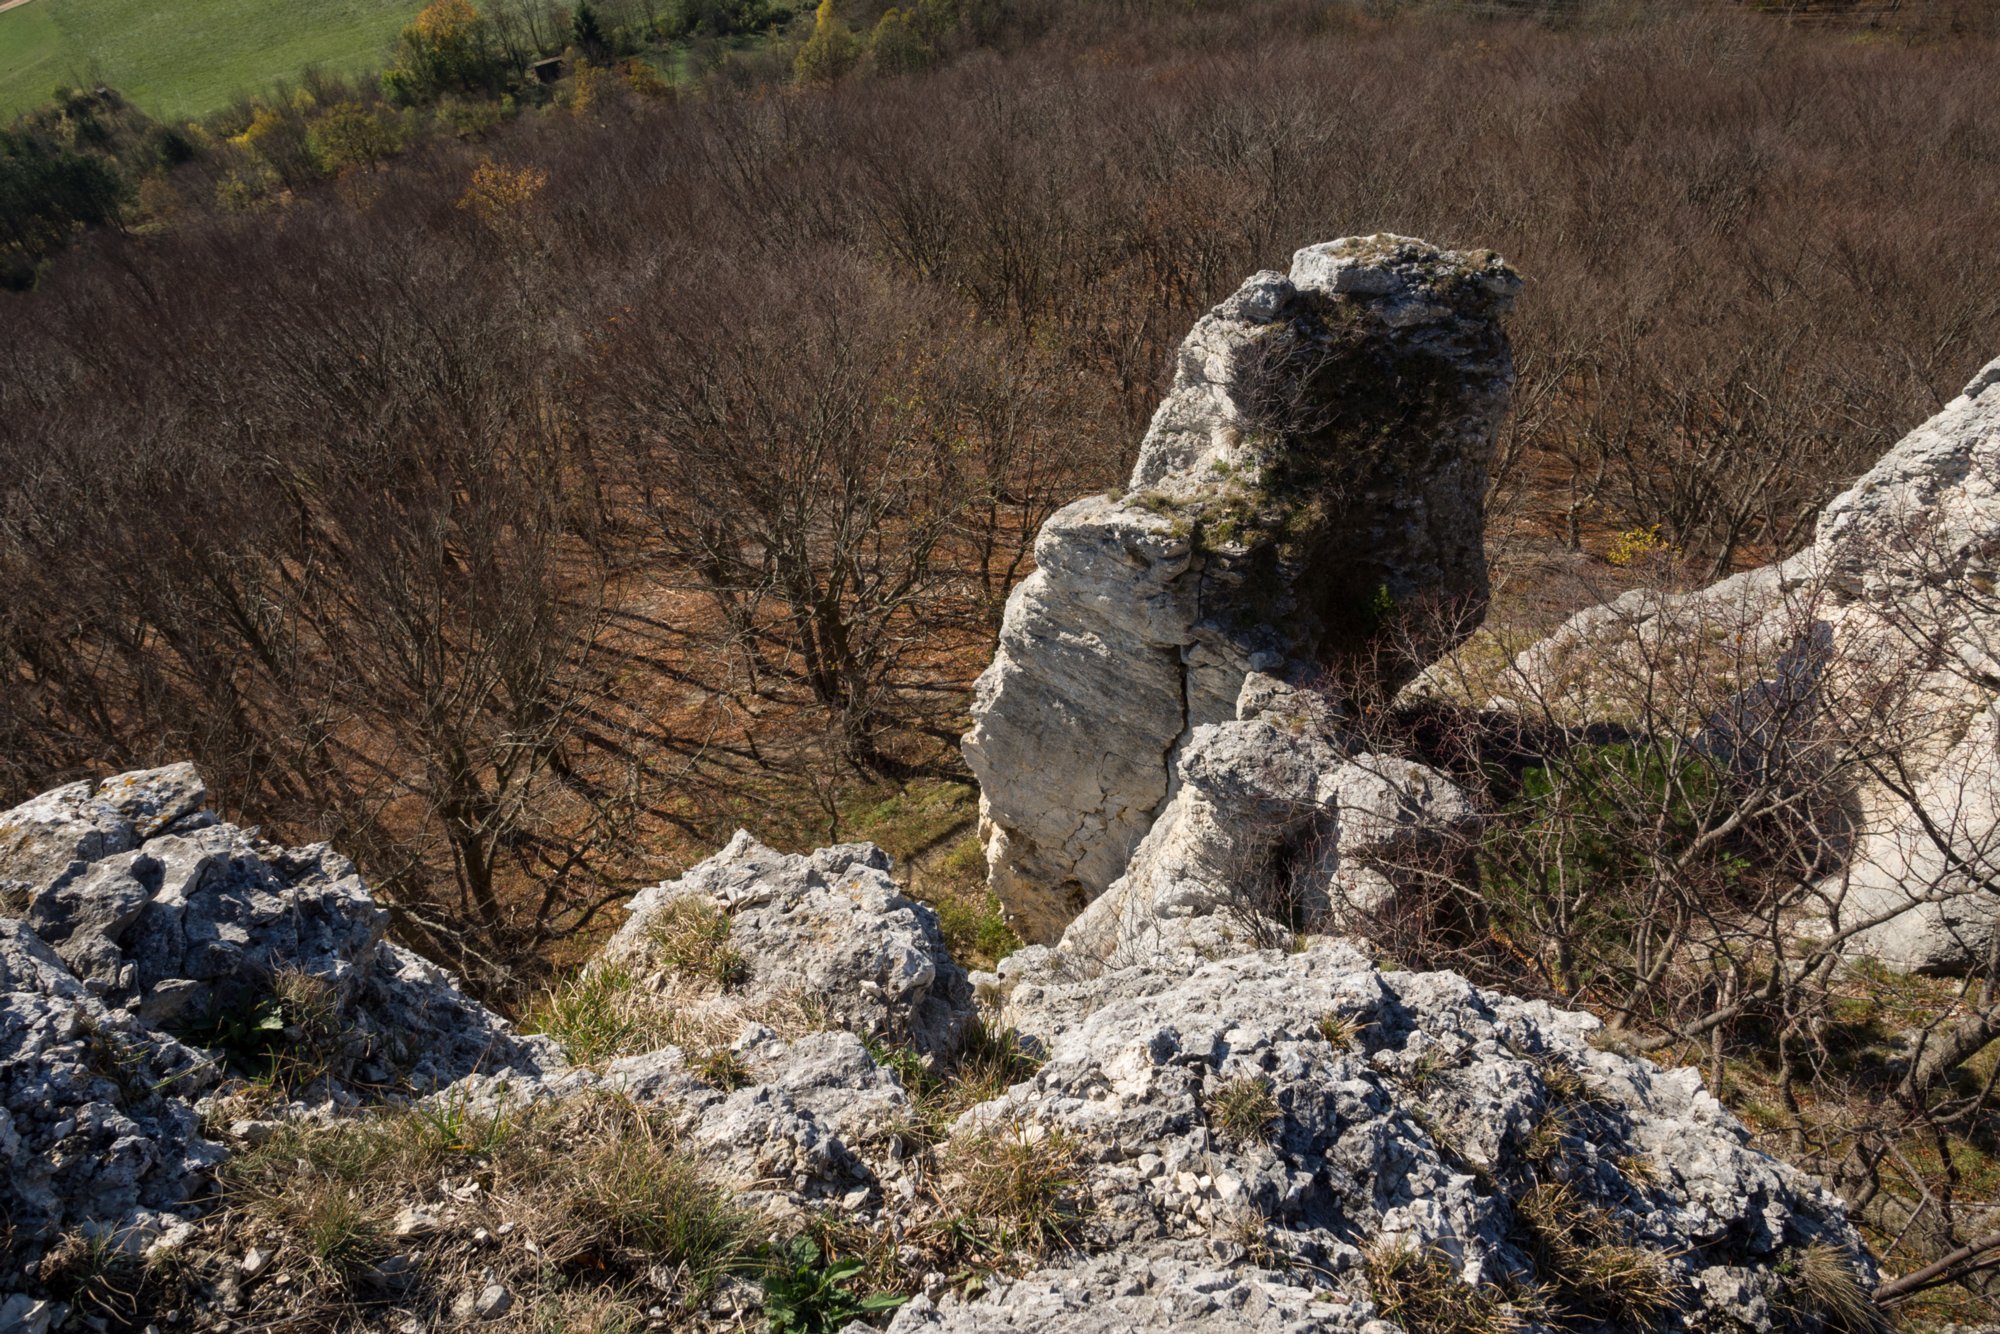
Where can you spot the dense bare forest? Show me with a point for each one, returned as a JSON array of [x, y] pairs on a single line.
[[524, 507], [507, 515]]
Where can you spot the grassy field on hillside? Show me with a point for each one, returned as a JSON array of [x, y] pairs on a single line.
[[185, 57]]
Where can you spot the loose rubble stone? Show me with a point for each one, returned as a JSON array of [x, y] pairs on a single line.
[[493, 1302]]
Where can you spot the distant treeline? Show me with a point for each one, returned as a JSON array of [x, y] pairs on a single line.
[[89, 159]]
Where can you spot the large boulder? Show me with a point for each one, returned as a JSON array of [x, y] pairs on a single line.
[[1308, 500], [1866, 665], [752, 929]]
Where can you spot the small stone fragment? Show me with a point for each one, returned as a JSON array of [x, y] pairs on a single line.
[[494, 1301]]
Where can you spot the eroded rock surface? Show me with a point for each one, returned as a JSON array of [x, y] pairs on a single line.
[[1278, 817], [144, 945], [831, 930], [1387, 1113], [1197, 1132], [97, 1116], [1403, 1110], [1317, 471]]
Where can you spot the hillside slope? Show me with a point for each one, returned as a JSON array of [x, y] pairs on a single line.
[[185, 59]]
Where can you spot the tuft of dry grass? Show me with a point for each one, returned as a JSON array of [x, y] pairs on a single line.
[[1339, 1030], [94, 1273], [723, 1069], [342, 1233], [1822, 1285], [1585, 1264], [589, 1311], [988, 1063], [1018, 1188], [605, 1012], [1549, 1140], [690, 936], [1565, 1084], [595, 1187], [309, 1003], [1244, 1109], [596, 1016], [1420, 1291]]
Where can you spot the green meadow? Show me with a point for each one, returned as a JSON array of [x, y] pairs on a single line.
[[181, 58]]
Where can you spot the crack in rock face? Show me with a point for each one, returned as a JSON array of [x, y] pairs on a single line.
[[1308, 502]]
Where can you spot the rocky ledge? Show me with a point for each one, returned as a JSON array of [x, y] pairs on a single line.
[[1265, 1140]]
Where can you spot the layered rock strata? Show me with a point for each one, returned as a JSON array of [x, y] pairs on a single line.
[[1307, 503]]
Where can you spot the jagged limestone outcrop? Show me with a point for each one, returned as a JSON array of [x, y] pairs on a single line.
[[1191, 1130], [1392, 1112], [1261, 1139], [1317, 472], [1879, 646], [1277, 817], [142, 942], [830, 930]]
